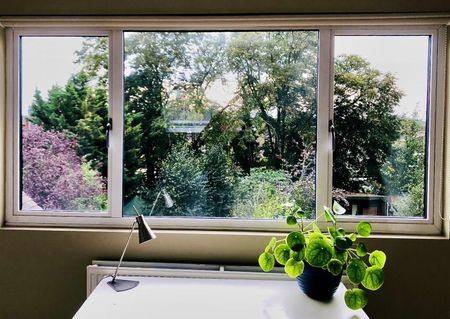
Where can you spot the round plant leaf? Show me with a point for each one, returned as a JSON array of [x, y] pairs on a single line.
[[361, 250], [353, 236], [271, 244], [377, 258], [294, 268], [338, 209], [374, 278], [266, 261], [291, 220], [318, 253], [356, 271], [298, 255], [282, 253], [356, 298], [341, 255], [296, 241], [341, 231], [364, 229], [343, 242], [317, 236], [334, 266]]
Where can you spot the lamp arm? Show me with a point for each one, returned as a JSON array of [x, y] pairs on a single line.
[[124, 250]]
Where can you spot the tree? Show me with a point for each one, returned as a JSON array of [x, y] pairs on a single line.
[[182, 175], [153, 59], [366, 126], [277, 74], [81, 110]]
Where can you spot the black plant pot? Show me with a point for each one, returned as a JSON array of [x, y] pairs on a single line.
[[317, 283]]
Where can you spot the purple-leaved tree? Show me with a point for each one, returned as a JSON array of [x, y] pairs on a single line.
[[54, 176]]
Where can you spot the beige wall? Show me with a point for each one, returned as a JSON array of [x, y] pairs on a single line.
[[42, 272]]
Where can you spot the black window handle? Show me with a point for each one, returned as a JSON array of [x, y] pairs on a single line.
[[333, 134], [109, 128]]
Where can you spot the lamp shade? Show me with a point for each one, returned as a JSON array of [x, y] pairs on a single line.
[[145, 232]]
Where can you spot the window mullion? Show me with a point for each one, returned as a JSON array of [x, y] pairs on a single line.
[[116, 114], [324, 111]]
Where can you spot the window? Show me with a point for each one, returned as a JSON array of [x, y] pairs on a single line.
[[381, 102], [233, 120], [63, 110], [225, 122]]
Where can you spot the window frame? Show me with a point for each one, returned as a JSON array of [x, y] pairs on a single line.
[[327, 29]]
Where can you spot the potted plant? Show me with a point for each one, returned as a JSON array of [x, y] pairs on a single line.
[[317, 259]]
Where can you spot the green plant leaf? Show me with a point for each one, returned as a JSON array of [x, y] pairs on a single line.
[[317, 236], [334, 266], [361, 250], [356, 298], [329, 215], [266, 261], [343, 242], [298, 255], [294, 268], [338, 209], [316, 228], [291, 220], [299, 212], [356, 270], [282, 253], [341, 231], [341, 255], [296, 241], [364, 229], [374, 278], [318, 253], [271, 244], [333, 232], [377, 258], [353, 236]]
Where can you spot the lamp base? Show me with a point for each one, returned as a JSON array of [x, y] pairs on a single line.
[[122, 284]]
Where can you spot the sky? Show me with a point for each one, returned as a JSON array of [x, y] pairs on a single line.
[[47, 61]]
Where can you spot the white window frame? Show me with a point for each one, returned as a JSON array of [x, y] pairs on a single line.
[[327, 28]]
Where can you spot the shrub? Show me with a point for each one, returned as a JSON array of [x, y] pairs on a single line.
[[54, 176]]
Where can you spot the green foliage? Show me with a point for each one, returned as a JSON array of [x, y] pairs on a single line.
[[364, 229], [374, 278], [261, 194], [366, 126], [356, 270], [333, 251], [294, 268], [377, 258], [183, 177], [356, 298], [218, 169]]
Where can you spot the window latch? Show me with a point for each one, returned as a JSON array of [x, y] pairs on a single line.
[[109, 127], [333, 135]]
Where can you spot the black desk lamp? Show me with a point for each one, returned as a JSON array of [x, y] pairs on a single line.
[[145, 234]]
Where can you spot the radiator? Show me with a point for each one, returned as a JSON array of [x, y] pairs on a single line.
[[101, 269]]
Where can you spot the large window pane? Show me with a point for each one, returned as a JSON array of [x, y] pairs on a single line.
[[64, 110], [380, 115], [225, 122]]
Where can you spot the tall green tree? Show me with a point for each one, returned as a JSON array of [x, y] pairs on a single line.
[[277, 74], [366, 126]]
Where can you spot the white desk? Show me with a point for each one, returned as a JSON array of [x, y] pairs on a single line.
[[184, 298]]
